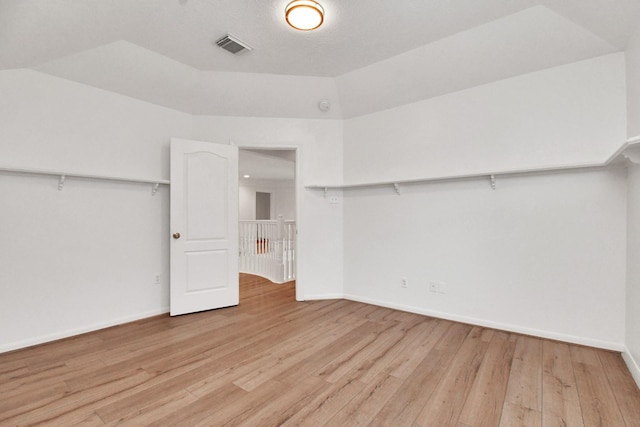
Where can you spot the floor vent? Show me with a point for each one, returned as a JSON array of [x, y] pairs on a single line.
[[233, 44]]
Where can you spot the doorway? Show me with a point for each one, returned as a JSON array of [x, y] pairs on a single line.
[[268, 213]]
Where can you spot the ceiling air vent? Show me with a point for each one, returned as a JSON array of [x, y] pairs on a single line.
[[233, 44]]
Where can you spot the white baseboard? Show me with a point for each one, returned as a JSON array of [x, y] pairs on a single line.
[[71, 332], [632, 364], [608, 345], [322, 296]]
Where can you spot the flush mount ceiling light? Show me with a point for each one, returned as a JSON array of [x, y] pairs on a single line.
[[305, 15]]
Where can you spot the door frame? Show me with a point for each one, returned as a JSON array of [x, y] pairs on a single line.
[[300, 294]]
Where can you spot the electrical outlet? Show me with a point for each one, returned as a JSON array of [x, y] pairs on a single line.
[[404, 282], [333, 200], [433, 287], [157, 280], [442, 288]]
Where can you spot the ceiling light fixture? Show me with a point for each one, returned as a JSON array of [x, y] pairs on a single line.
[[305, 15]]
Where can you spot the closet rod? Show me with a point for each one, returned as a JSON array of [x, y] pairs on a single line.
[[64, 175], [631, 143]]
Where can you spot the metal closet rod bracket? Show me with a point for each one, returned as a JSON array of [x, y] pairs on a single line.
[[62, 179], [396, 187]]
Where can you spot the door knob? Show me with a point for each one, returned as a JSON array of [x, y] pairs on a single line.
[[176, 235]]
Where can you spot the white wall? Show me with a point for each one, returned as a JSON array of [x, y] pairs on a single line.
[[564, 115], [633, 217], [319, 159], [78, 259], [633, 85], [87, 257], [543, 255], [283, 198], [633, 273], [51, 123]]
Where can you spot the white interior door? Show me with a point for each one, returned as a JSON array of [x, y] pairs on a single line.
[[204, 226]]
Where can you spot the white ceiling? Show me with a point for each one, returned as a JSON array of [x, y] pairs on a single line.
[[369, 54], [266, 165]]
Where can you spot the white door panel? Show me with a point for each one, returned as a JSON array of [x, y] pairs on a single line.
[[204, 222]]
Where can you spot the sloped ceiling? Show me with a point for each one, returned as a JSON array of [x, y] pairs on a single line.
[[369, 55]]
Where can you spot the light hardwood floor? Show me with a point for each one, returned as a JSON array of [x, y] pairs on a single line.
[[275, 361]]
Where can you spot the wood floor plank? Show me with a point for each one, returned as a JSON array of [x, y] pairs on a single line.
[[407, 362], [26, 379], [45, 355], [627, 393], [10, 369], [523, 399], [29, 401], [407, 403], [153, 410], [331, 351], [273, 360], [279, 408], [358, 354], [235, 412], [222, 373], [446, 403], [486, 398], [560, 402], [326, 404], [171, 342], [92, 420], [364, 406], [409, 332], [293, 351], [597, 400], [378, 355], [202, 409], [129, 401], [515, 415], [72, 408]]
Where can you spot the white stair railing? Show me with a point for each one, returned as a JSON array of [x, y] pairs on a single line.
[[267, 249]]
